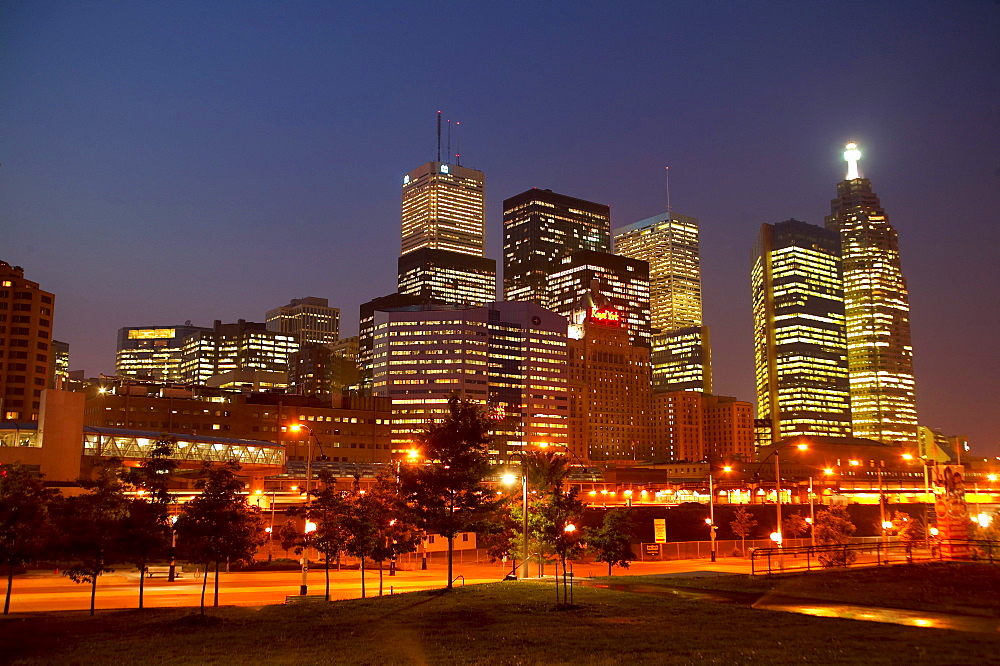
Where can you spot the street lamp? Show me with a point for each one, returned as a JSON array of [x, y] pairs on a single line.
[[777, 485], [172, 572], [295, 427], [711, 508], [509, 479]]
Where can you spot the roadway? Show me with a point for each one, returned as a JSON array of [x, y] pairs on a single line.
[[48, 591]]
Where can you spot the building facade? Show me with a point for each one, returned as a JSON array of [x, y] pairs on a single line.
[[153, 352], [508, 357], [540, 227], [447, 276], [877, 309], [618, 282], [799, 342], [26, 315], [609, 381], [346, 429], [310, 320], [691, 426], [682, 360], [243, 345], [444, 229]]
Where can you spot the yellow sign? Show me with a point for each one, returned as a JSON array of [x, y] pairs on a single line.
[[150, 333], [660, 530]]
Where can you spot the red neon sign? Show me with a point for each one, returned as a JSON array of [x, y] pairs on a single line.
[[606, 316]]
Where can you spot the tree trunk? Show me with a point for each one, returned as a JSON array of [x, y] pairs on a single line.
[[204, 584], [10, 582], [93, 591], [328, 576], [380, 579], [451, 557], [609, 568], [362, 576], [142, 581], [216, 604]]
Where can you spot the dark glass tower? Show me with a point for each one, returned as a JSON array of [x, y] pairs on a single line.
[[540, 227]]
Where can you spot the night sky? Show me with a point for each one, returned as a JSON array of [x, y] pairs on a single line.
[[190, 160]]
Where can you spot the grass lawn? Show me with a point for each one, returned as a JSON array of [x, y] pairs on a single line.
[[499, 623], [945, 587]]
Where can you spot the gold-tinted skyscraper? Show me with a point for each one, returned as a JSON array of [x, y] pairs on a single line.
[[443, 235], [877, 312], [681, 354], [799, 346]]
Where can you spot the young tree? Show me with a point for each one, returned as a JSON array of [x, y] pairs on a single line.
[[360, 522], [613, 540], [834, 528], [794, 525], [742, 526], [219, 525], [147, 530], [447, 493], [89, 527], [556, 510], [24, 519], [396, 529]]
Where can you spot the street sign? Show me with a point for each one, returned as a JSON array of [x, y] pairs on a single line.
[[660, 530]]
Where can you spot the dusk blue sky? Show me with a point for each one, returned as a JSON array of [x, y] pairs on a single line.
[[166, 161]]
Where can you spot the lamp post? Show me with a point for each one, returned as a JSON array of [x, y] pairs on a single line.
[[777, 486], [172, 573], [524, 511], [304, 587]]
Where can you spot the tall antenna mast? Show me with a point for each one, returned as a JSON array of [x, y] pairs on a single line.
[[458, 143], [668, 190], [439, 137], [449, 139]]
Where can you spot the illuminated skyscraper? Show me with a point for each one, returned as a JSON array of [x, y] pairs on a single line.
[[669, 243], [539, 228], [681, 356], [877, 309], [443, 236], [799, 343]]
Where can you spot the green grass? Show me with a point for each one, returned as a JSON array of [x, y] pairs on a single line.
[[500, 623], [945, 587]]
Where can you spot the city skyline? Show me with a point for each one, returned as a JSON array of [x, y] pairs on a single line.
[[216, 195]]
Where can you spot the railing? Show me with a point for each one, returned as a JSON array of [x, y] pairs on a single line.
[[807, 558], [457, 577]]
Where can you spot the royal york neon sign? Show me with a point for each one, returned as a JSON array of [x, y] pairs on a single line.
[[606, 316]]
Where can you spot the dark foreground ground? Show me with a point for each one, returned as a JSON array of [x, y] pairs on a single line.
[[519, 623]]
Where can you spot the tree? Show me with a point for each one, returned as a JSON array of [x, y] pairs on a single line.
[[794, 525], [146, 530], [219, 525], [24, 519], [556, 509], [89, 527], [613, 540], [447, 493], [396, 530], [742, 526], [834, 528]]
